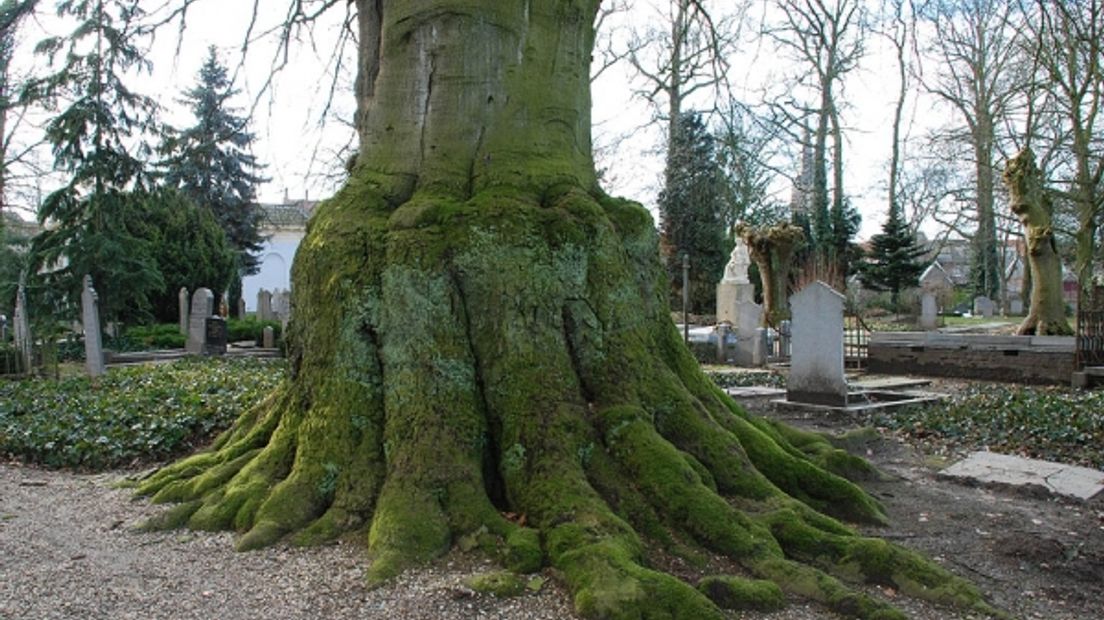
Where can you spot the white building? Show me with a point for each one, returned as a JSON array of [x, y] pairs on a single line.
[[283, 227]]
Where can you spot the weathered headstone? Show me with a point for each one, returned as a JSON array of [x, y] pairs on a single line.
[[281, 305], [268, 337], [1015, 306], [24, 342], [264, 305], [183, 303], [759, 352], [90, 319], [983, 306], [203, 306], [929, 312], [748, 337], [735, 288], [816, 365]]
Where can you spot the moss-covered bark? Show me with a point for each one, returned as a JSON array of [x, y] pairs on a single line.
[[773, 250], [490, 337], [1047, 314]]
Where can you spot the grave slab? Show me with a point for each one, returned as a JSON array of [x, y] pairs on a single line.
[[1057, 478]]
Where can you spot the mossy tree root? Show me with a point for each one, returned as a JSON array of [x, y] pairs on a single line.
[[511, 354]]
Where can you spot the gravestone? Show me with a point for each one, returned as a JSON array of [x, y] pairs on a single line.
[[215, 336], [735, 288], [268, 337], [1015, 306], [748, 337], [241, 307], [264, 305], [281, 306], [90, 319], [983, 306], [203, 306], [24, 342], [929, 313], [816, 365], [182, 305]]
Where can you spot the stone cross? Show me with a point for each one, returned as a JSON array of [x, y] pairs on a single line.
[[23, 339], [203, 306], [816, 365], [928, 311], [183, 303], [90, 319]]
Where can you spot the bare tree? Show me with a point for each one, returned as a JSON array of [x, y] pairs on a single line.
[[972, 57]]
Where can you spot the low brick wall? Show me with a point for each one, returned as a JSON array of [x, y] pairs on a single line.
[[1016, 359]]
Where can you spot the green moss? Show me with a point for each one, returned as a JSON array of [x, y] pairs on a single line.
[[737, 593], [503, 584]]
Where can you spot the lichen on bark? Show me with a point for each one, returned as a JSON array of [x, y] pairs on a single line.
[[479, 331]]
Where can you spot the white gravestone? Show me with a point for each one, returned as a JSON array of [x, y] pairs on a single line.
[[816, 365], [748, 337], [203, 306], [90, 319], [929, 312], [24, 342], [183, 302], [735, 288]]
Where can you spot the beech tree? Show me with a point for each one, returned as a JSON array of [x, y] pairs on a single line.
[[480, 331]]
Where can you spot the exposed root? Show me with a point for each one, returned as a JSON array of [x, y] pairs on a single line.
[[454, 362]]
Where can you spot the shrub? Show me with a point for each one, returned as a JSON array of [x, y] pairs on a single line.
[[250, 328]]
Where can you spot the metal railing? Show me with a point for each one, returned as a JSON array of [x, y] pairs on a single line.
[[1090, 328]]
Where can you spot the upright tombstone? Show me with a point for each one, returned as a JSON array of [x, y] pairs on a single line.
[[281, 306], [816, 365], [1016, 306], [268, 337], [983, 306], [90, 320], [748, 337], [264, 305], [203, 307], [241, 308], [929, 313], [183, 304], [735, 288], [24, 342]]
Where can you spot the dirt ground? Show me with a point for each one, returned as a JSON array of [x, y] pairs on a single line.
[[67, 551]]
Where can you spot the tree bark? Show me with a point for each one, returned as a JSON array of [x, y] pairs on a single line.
[[1047, 315], [478, 330], [773, 251]]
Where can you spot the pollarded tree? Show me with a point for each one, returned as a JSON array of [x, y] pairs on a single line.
[[211, 163], [478, 329]]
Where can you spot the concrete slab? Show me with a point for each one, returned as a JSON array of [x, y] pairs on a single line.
[[754, 392], [887, 383], [1057, 478]]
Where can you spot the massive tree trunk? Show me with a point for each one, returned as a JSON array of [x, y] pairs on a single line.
[[1029, 202], [773, 251], [478, 330]]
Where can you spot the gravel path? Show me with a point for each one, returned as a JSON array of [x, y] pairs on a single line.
[[68, 550]]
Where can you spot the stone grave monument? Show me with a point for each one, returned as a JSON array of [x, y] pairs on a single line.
[[750, 344], [816, 366], [203, 307], [929, 312], [90, 320], [183, 304], [281, 306], [734, 288], [24, 342], [1016, 306], [241, 308], [264, 305], [983, 306], [268, 337]]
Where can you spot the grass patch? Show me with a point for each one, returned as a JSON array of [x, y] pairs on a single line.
[[133, 415], [1051, 423]]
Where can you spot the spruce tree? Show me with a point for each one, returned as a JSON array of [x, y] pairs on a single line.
[[893, 262], [692, 207], [96, 138], [210, 162]]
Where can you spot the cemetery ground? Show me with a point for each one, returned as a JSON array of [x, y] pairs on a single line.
[[69, 547]]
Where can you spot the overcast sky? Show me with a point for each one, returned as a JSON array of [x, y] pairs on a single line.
[[298, 145]]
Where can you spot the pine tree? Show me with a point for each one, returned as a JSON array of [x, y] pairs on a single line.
[[692, 207], [893, 263], [96, 139], [211, 164]]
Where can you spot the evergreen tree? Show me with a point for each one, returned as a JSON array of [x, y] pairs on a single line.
[[893, 263], [211, 164], [692, 208], [95, 139]]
